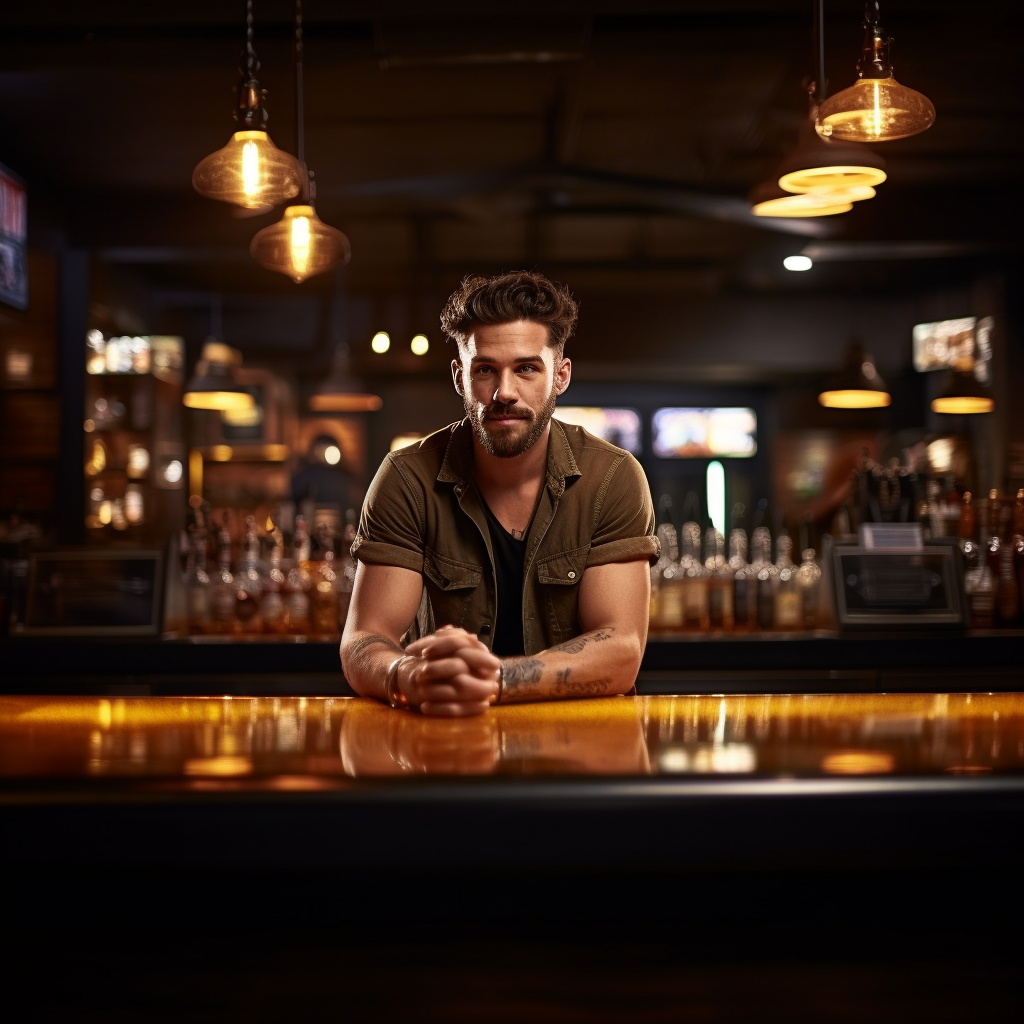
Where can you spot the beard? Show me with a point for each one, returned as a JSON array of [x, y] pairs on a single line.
[[507, 442]]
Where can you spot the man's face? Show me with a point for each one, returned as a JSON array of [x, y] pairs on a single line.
[[509, 378]]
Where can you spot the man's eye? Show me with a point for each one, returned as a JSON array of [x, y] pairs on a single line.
[[481, 371], [527, 368]]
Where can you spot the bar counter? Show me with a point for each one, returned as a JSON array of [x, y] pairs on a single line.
[[647, 851]]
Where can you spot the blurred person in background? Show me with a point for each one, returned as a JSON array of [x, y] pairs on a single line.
[[505, 557]]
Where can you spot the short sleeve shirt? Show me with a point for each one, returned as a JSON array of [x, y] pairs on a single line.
[[423, 512]]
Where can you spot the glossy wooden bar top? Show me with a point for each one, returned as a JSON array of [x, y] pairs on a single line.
[[297, 743]]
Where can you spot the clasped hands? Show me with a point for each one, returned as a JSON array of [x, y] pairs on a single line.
[[450, 673]]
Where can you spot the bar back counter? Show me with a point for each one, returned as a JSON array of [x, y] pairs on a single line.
[[774, 828]]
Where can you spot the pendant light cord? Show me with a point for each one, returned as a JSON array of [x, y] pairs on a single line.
[[300, 115], [820, 86]]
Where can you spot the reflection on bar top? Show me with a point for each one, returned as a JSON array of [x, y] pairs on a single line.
[[316, 743]]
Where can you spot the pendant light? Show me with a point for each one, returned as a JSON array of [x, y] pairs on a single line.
[[963, 395], [250, 171], [819, 177], [300, 244], [341, 392], [858, 386], [213, 385], [876, 108]]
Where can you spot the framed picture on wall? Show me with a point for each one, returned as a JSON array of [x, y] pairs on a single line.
[[13, 240]]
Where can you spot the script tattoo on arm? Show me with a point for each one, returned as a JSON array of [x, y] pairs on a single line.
[[564, 687], [577, 643], [521, 676]]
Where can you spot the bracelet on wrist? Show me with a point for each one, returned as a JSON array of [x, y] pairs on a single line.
[[392, 691], [501, 682]]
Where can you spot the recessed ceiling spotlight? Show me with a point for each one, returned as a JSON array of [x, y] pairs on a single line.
[[381, 342], [798, 263]]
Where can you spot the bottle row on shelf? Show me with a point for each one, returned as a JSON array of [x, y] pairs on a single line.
[[992, 539], [277, 586], [699, 590]]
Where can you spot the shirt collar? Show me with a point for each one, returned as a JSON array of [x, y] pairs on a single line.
[[457, 466]]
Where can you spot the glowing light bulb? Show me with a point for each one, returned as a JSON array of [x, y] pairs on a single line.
[[301, 243], [419, 345], [798, 263], [381, 342], [250, 168], [332, 455]]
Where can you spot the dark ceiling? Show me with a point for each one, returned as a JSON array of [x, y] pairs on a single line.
[[610, 144]]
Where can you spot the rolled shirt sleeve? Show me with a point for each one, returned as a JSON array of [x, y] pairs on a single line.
[[391, 524], [624, 517]]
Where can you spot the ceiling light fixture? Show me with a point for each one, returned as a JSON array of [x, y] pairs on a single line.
[[381, 342], [250, 171], [876, 108], [963, 395], [341, 392], [300, 244], [819, 177], [420, 345], [858, 386], [798, 263], [213, 385]]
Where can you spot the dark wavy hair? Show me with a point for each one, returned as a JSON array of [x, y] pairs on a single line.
[[518, 295]]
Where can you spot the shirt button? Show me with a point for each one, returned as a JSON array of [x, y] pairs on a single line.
[[572, 575]]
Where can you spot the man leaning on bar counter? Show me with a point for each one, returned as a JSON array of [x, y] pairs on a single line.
[[528, 540]]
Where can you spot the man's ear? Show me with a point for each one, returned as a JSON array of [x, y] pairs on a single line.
[[457, 376], [562, 376]]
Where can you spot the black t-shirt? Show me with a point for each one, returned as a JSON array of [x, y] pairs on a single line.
[[509, 562]]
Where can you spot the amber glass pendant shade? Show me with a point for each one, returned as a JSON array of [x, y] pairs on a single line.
[[250, 171], [769, 200], [818, 163], [300, 245], [875, 110]]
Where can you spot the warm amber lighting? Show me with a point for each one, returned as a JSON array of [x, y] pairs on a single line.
[[250, 171], [963, 405], [381, 342], [341, 392], [852, 399], [837, 176], [213, 386], [221, 453], [875, 110], [300, 245], [403, 441], [858, 762], [420, 345], [858, 386], [963, 395], [807, 204]]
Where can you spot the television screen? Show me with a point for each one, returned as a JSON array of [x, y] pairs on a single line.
[[679, 433], [618, 426], [13, 239]]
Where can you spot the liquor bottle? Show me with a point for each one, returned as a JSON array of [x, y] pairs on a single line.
[[345, 567], [272, 608], [248, 582], [323, 595], [197, 582], [739, 569], [991, 538], [694, 579], [720, 581], [1007, 594], [298, 581], [222, 584], [788, 610], [968, 520], [808, 581], [1018, 545], [979, 589], [765, 575], [666, 607]]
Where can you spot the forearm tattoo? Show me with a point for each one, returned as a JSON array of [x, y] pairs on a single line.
[[577, 643], [362, 648], [520, 677]]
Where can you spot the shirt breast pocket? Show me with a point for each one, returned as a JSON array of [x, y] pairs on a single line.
[[559, 578], [451, 586]]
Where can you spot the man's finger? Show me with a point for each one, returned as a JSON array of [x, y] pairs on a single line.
[[451, 709], [460, 688]]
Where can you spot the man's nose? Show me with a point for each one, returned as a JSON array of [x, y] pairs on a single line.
[[506, 392]]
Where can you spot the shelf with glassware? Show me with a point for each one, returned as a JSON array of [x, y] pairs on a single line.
[[134, 453]]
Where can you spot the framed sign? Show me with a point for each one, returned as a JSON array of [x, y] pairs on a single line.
[[13, 241], [904, 587], [95, 593]]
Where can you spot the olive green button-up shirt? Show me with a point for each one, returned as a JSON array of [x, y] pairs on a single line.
[[423, 512]]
